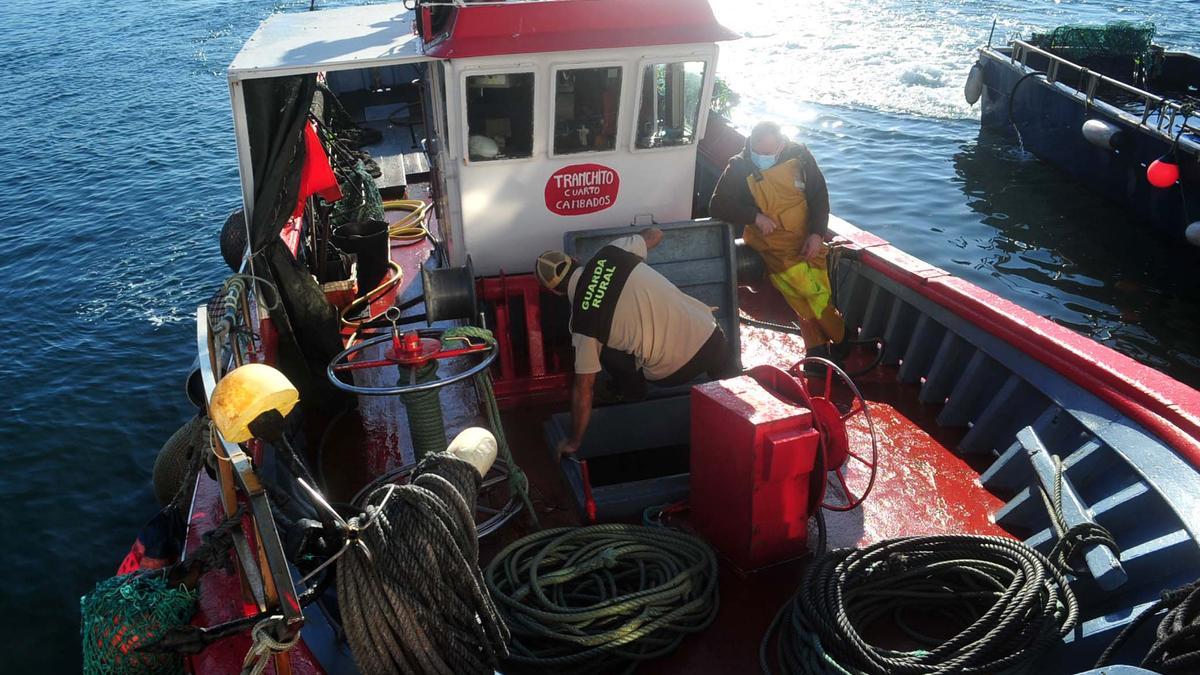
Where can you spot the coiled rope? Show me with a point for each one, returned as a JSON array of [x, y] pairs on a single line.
[[1176, 647], [1003, 603], [582, 600], [423, 409], [411, 594]]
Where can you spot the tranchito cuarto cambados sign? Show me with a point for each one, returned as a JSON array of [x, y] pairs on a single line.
[[582, 188]]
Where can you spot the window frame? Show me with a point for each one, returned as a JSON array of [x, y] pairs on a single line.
[[705, 96], [552, 94], [464, 117]]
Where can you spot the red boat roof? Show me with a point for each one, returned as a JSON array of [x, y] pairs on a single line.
[[569, 25]]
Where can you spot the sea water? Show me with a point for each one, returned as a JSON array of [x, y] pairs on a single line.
[[119, 168]]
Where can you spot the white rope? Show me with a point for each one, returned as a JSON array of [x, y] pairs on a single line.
[[263, 647]]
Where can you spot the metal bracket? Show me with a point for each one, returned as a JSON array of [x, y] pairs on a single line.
[[1105, 567]]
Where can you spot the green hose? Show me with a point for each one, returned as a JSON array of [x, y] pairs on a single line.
[[424, 411], [602, 598]]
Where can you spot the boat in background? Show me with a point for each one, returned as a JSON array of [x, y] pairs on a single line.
[[401, 166], [1109, 107]]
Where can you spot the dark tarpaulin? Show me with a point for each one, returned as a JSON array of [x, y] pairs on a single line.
[[276, 111]]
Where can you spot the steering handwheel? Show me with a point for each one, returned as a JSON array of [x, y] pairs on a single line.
[[413, 350], [830, 420]]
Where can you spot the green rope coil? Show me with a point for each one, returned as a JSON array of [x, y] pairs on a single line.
[[582, 600], [424, 410], [124, 613]]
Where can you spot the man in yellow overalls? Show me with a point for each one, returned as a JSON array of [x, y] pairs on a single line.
[[775, 189]]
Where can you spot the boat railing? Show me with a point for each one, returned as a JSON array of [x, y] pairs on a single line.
[[1089, 82]]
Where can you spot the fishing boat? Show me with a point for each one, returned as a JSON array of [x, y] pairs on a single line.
[[972, 488], [1109, 107]]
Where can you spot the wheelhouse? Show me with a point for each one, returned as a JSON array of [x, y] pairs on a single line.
[[599, 107]]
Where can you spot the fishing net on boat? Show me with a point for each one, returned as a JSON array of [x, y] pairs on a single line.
[[360, 198], [1118, 39], [127, 612]]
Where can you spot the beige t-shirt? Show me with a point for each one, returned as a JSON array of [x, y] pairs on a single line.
[[662, 326]]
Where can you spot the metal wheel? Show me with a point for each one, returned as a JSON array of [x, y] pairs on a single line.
[[412, 350], [831, 419]]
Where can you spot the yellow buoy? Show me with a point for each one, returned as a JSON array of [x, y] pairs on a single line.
[[245, 393]]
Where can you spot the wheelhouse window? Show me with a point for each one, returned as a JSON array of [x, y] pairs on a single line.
[[586, 101], [670, 104], [499, 116]]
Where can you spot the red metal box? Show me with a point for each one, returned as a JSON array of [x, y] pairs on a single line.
[[751, 459]]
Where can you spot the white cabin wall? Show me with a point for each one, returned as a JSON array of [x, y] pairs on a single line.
[[498, 208]]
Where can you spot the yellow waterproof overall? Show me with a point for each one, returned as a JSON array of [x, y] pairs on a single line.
[[779, 194]]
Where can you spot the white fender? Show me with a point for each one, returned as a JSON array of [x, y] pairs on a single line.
[[475, 446], [1193, 233], [973, 89], [1100, 133]]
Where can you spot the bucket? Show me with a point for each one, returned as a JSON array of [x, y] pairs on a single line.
[[368, 241]]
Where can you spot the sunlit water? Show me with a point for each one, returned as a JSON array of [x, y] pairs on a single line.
[[119, 169]]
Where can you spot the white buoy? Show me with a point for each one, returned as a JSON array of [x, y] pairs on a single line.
[[1101, 134], [973, 89], [1193, 233], [476, 446]]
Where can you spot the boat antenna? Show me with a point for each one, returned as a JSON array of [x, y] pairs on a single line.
[[990, 34]]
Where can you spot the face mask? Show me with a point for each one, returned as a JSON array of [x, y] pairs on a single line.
[[763, 162]]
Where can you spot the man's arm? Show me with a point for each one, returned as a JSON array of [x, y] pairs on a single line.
[[581, 412], [653, 237]]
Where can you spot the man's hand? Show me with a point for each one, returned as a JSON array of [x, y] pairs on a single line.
[[765, 224], [567, 447], [653, 237], [812, 247]]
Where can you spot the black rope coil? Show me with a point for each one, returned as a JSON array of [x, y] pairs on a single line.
[[973, 604], [1176, 647], [411, 593], [602, 598]]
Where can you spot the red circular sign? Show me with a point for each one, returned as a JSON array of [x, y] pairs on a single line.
[[582, 188]]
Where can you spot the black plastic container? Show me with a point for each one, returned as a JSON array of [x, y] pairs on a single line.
[[368, 241]]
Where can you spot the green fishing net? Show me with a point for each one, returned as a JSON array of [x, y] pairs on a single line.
[[360, 199], [126, 612], [1082, 41]]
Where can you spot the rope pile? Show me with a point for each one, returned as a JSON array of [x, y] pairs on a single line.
[[1176, 647], [411, 594], [601, 598], [996, 605]]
